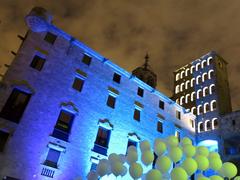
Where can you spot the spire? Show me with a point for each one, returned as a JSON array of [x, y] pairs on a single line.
[[146, 61]]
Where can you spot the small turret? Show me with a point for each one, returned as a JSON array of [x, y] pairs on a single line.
[[38, 19]]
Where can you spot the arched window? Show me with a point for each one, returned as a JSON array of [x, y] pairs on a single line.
[[177, 76], [213, 105], [198, 66], [177, 101], [192, 82], [204, 77], [209, 60], [204, 63], [182, 87], [181, 100], [200, 127], [205, 91], [214, 123], [177, 89], [199, 109], [187, 84], [182, 73], [193, 96], [206, 107], [211, 88], [187, 98], [210, 74], [194, 110], [198, 79], [207, 125], [192, 69], [187, 71], [199, 93]]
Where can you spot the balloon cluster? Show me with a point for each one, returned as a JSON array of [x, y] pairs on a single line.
[[186, 157]]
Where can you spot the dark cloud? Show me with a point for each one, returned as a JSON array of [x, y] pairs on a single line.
[[173, 32]]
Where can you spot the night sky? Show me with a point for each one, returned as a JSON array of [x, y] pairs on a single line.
[[173, 32]]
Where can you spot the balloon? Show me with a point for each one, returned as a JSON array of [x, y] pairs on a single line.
[[159, 148], [147, 157], [186, 141], [229, 169], [116, 168], [135, 170], [154, 175], [220, 172], [103, 167], [163, 163], [172, 141], [145, 145], [92, 175], [132, 157], [179, 173], [215, 163], [132, 148], [175, 154], [216, 177], [190, 166], [237, 178], [202, 150], [213, 155], [122, 158], [124, 171], [202, 177], [202, 162], [189, 150], [158, 140], [113, 157]]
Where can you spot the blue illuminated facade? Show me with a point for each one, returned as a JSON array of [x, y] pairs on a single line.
[[64, 107]]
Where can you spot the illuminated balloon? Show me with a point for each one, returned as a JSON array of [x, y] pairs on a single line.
[[213, 155], [172, 141], [179, 173], [147, 157], [154, 175], [190, 166], [103, 167], [116, 168], [122, 158], [202, 162], [163, 164], [216, 177], [215, 163], [135, 170], [175, 154], [202, 150], [113, 157], [202, 177], [124, 171], [159, 148], [145, 145], [92, 175], [229, 169], [189, 150], [237, 178], [132, 148], [158, 140], [132, 157], [186, 141]]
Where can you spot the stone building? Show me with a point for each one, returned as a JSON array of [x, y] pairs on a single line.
[[63, 107]]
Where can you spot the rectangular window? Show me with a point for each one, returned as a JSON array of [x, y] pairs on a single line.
[[86, 59], [160, 126], [178, 114], [116, 78], [93, 166], [15, 105], [50, 37], [136, 115], [192, 123], [63, 126], [37, 62], [52, 158], [78, 84], [102, 141], [177, 134], [161, 104], [131, 143], [111, 101], [140, 91], [3, 139]]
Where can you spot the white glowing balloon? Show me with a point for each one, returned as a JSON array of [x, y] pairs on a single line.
[[124, 171], [122, 158]]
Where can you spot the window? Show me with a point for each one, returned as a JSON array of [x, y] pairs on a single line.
[[161, 104], [102, 141], [50, 37], [131, 143], [178, 114], [192, 123], [93, 166], [233, 122], [136, 115], [52, 158], [78, 84], [37, 62], [86, 59], [160, 127], [177, 134], [111, 101], [3, 139], [63, 125], [140, 91], [116, 78], [15, 105]]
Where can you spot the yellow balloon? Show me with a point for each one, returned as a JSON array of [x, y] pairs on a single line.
[[154, 175], [213, 155], [147, 157], [229, 169], [202, 177], [163, 163], [202, 150], [190, 166], [135, 170], [202, 162], [189, 150], [215, 163], [172, 141], [216, 177], [237, 178], [175, 154], [179, 173], [159, 148], [186, 141]]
